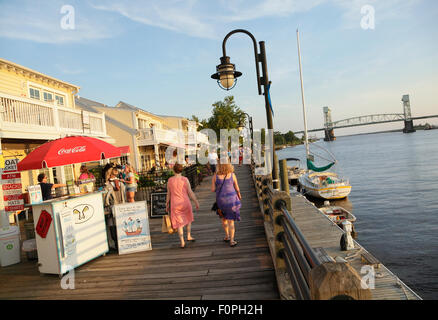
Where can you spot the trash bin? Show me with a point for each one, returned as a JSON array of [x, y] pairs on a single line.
[[30, 247], [9, 246]]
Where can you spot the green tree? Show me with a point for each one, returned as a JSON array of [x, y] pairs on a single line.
[[279, 138], [202, 124], [289, 137], [225, 115], [195, 118]]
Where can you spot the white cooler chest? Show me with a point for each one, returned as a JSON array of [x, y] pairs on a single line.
[[9, 246]]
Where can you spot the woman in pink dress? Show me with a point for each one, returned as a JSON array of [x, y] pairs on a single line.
[[178, 198]]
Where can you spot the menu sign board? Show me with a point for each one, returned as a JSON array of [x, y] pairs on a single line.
[[158, 204], [68, 240], [35, 195], [11, 186], [132, 225]]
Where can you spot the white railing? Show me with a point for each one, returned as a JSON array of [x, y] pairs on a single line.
[[151, 136], [154, 135], [25, 112], [70, 119], [28, 115]]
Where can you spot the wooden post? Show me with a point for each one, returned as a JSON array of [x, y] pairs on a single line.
[[284, 177], [332, 280]]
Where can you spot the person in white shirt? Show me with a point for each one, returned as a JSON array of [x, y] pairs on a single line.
[[212, 159]]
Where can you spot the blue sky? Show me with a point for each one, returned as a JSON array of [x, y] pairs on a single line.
[[159, 55]]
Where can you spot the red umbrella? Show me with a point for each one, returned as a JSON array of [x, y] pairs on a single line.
[[67, 151]]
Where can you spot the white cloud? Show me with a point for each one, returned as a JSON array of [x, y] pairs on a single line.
[[176, 15], [384, 10], [42, 23], [203, 19]]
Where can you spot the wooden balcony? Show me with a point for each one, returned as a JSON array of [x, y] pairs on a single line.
[[24, 118], [152, 136], [156, 136]]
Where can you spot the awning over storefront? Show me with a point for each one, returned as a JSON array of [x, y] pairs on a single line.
[[125, 150], [66, 151]]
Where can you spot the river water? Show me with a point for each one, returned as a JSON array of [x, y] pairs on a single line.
[[394, 196]]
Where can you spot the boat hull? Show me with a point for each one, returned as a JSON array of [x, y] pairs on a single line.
[[332, 193], [328, 192], [338, 214]]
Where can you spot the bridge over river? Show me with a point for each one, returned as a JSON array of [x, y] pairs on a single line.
[[330, 125], [286, 259]]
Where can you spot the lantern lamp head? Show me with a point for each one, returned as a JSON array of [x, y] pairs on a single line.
[[226, 74]]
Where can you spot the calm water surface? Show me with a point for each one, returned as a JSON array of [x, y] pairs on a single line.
[[394, 178]]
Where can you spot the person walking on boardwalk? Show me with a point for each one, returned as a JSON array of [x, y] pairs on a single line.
[[228, 199], [178, 198], [212, 160]]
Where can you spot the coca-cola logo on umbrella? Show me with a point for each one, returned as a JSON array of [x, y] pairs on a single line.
[[72, 150]]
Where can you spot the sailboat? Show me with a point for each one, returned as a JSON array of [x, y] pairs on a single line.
[[317, 182]]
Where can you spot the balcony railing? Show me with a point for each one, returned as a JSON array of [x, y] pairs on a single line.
[[32, 116], [151, 136]]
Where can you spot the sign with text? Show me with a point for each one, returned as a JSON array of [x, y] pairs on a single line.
[[158, 204], [68, 240], [11, 186], [35, 195], [10, 165], [132, 225]]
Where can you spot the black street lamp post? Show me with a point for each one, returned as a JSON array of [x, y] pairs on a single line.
[[226, 75]]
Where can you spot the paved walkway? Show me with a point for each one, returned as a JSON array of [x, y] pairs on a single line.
[[206, 269]]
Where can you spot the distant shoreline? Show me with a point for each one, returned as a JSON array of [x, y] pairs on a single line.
[[279, 147], [386, 131]]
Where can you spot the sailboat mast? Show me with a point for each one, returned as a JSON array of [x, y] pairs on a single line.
[[306, 142]]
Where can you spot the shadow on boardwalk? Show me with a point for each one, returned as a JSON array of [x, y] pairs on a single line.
[[206, 269]]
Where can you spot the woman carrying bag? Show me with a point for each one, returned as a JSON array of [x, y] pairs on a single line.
[[228, 197], [178, 198]]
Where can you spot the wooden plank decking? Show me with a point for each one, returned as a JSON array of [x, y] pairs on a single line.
[[321, 232], [206, 269]]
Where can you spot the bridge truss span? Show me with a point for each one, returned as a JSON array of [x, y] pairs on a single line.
[[366, 120], [406, 116]]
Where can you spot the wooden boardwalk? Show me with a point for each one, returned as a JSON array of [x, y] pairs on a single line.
[[207, 269], [321, 232]]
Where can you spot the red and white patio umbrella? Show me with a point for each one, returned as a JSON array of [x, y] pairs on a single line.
[[66, 151]]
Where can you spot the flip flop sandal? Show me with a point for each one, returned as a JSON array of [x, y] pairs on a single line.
[[233, 244], [226, 240]]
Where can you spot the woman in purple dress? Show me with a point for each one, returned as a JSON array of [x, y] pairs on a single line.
[[228, 198]]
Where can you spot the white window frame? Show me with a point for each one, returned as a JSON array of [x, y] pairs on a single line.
[[63, 99], [35, 89], [46, 92], [144, 123], [42, 88]]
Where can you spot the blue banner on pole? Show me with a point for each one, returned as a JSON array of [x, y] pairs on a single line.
[[269, 98]]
